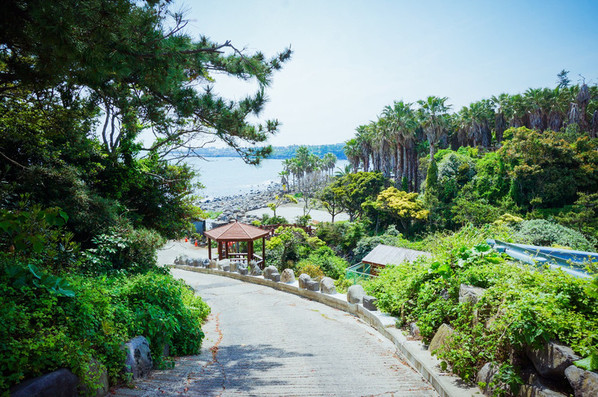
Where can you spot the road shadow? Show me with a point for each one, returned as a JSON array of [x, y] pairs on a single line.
[[243, 369]]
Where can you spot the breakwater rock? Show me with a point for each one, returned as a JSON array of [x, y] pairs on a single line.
[[235, 207]]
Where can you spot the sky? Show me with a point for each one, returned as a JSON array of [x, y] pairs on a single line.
[[351, 58]]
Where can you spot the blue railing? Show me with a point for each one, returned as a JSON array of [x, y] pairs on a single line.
[[570, 261]]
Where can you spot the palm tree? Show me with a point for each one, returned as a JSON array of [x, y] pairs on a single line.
[[328, 163], [481, 113], [340, 172], [364, 138], [533, 100], [353, 152], [500, 116], [401, 124], [434, 119]]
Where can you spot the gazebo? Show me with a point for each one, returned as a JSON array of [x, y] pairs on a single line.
[[235, 232]]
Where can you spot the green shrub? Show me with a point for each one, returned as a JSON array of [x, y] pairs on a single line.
[[273, 220], [42, 330], [313, 271], [341, 236], [544, 233], [342, 284], [331, 265], [290, 245], [165, 312], [123, 248], [521, 306]]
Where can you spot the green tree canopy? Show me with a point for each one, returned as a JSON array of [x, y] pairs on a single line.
[[134, 62], [355, 189], [81, 80]]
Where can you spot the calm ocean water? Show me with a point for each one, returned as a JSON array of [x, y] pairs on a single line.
[[227, 176]]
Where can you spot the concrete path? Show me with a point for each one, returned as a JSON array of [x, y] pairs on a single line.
[[263, 342]]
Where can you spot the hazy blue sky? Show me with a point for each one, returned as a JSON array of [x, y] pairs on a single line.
[[351, 58]]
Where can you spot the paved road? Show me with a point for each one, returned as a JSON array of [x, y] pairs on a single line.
[[263, 342]]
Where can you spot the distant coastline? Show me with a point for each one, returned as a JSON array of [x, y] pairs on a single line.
[[279, 152]]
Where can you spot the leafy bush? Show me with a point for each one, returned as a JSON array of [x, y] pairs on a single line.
[[38, 235], [520, 307], [342, 284], [43, 330], [341, 236], [273, 220], [331, 265], [313, 271], [289, 245], [123, 248], [166, 312], [545, 233]]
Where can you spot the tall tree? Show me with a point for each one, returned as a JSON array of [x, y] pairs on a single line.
[[434, 118], [129, 67], [141, 75]]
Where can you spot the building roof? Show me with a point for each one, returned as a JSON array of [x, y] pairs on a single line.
[[385, 255], [236, 231]]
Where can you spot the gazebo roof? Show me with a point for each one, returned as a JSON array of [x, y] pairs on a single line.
[[236, 231]]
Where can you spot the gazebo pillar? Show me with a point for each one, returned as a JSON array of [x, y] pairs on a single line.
[[264, 252], [226, 249], [249, 251], [219, 249], [209, 249]]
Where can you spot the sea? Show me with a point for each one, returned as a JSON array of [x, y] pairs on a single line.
[[230, 176]]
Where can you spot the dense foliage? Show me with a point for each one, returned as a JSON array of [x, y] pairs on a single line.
[[520, 306], [43, 330], [85, 201]]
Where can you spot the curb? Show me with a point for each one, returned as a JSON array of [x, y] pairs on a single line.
[[446, 384]]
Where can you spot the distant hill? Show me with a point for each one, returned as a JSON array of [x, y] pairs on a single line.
[[280, 152]]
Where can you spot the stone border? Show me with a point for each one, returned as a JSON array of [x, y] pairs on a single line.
[[446, 384]]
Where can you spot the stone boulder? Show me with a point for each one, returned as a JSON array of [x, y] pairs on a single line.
[[469, 293], [414, 331], [233, 266], [97, 370], [269, 271], [536, 386], [197, 262], [213, 264], [355, 294], [256, 271], [181, 260], [485, 376], [312, 285], [139, 359], [370, 303], [275, 277], [327, 286], [584, 383], [224, 265], [303, 279], [442, 337], [287, 276], [552, 359], [60, 383]]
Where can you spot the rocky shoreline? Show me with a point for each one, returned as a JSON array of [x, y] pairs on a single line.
[[236, 207]]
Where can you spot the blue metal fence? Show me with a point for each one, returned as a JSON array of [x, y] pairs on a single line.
[[570, 261]]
